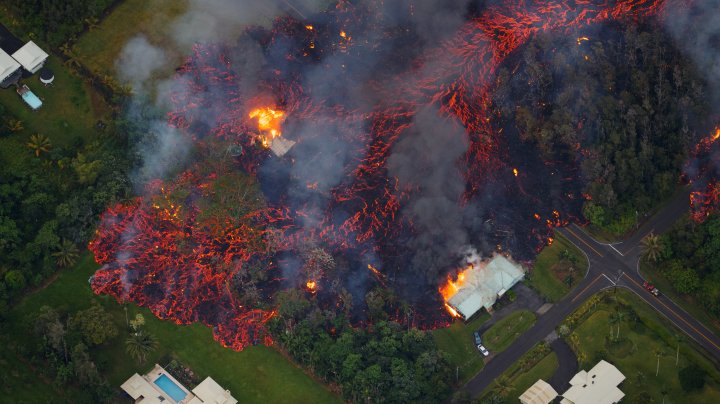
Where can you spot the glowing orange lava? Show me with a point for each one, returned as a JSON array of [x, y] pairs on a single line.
[[269, 121], [311, 285], [515, 172]]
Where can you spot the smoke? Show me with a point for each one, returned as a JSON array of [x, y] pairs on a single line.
[[696, 29], [138, 61], [426, 160]]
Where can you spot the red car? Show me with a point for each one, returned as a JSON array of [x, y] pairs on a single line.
[[651, 288]]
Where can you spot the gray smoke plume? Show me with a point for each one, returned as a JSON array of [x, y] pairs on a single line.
[[696, 28], [426, 159], [138, 61]]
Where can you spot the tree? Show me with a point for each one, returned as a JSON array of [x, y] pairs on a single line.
[[659, 352], [502, 386], [15, 125], [140, 344], [39, 144], [692, 378], [15, 280], [85, 368], [94, 324], [67, 254], [651, 247], [137, 322]]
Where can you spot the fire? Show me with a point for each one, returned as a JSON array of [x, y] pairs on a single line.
[[515, 172], [452, 311], [269, 121], [582, 39], [309, 27], [311, 285], [451, 287], [343, 34]]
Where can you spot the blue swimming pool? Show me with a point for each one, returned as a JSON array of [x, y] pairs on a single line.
[[169, 387], [31, 99]]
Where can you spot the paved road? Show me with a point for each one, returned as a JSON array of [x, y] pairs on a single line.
[[610, 265]]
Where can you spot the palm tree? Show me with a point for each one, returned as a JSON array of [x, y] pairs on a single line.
[[651, 247], [659, 352], [678, 339], [640, 378], [39, 144], [620, 316], [15, 125], [140, 344], [502, 386], [67, 254]]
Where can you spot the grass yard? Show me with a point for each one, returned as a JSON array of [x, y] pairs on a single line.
[[258, 374], [99, 48], [70, 110], [458, 344], [521, 381], [635, 354], [551, 270], [502, 334]]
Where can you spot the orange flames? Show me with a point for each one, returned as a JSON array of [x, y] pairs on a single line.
[[269, 121], [582, 39], [451, 287], [311, 285], [515, 172]]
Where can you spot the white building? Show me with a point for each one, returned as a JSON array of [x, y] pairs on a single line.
[[9, 70], [31, 57], [598, 386], [539, 393], [484, 284], [160, 387]]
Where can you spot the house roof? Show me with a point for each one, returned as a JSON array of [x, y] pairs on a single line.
[[597, 386], [484, 282], [209, 392], [539, 393], [30, 55], [8, 65], [136, 386]]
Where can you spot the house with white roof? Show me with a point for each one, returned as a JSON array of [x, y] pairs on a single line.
[[599, 385], [484, 284], [31, 57], [10, 71], [539, 393]]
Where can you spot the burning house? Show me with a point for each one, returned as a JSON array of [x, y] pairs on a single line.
[[481, 284]]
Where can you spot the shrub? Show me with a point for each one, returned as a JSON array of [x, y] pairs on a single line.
[[692, 378]]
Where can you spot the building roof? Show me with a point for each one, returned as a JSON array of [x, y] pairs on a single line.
[[209, 392], [484, 282], [539, 393], [30, 56], [280, 146], [136, 386], [597, 386], [8, 65]]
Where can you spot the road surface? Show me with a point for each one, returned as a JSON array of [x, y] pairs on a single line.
[[610, 265]]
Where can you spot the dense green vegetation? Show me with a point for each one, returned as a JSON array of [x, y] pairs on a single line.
[[558, 268], [252, 375], [383, 360], [688, 257], [502, 334], [458, 344], [631, 103], [651, 353], [56, 21]]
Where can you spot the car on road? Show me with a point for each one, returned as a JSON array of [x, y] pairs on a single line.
[[483, 350], [651, 288], [478, 341]]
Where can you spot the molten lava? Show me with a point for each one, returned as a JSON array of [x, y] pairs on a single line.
[[173, 253]]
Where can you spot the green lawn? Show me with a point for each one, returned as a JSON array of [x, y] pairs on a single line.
[[70, 110], [502, 334], [99, 48], [258, 374], [634, 354], [458, 344], [522, 381], [550, 270]]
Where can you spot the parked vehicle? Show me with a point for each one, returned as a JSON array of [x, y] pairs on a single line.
[[483, 350], [478, 341], [651, 288]]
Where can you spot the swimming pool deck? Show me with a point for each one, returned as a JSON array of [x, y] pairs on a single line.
[[144, 390]]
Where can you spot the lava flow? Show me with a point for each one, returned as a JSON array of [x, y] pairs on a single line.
[[171, 252]]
